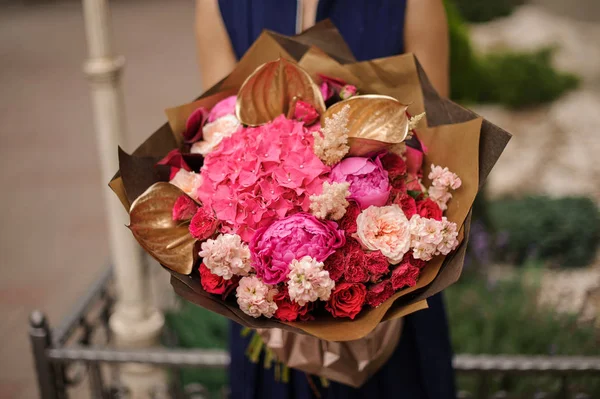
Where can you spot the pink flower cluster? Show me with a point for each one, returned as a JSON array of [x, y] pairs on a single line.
[[430, 237], [251, 189], [226, 256], [256, 298], [442, 180], [307, 281]]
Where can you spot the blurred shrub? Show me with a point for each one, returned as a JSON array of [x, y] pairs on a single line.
[[514, 79], [563, 230], [485, 10], [196, 327], [488, 318]]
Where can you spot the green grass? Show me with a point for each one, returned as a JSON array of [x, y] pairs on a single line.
[[502, 318]]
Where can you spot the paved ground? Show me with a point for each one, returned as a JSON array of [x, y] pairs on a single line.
[[52, 233]]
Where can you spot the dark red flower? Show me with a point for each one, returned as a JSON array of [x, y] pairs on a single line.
[[394, 164], [203, 224], [405, 275], [408, 258], [184, 208], [379, 293], [376, 265], [288, 310], [348, 222], [405, 201], [347, 300], [335, 265], [214, 284], [427, 208], [355, 271], [175, 160], [194, 125]]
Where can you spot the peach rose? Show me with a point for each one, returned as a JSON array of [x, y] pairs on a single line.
[[214, 132], [188, 182], [384, 229]]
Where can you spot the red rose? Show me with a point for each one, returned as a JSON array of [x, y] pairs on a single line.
[[288, 310], [203, 224], [348, 222], [214, 284], [184, 208], [405, 275], [335, 265], [376, 264], [405, 201], [379, 293], [427, 208], [347, 300], [408, 258], [394, 164]]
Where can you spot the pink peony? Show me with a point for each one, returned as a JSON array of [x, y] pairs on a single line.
[[385, 229], [304, 112], [184, 208], [369, 183], [256, 298], [222, 108], [308, 282], [274, 247], [226, 256], [203, 224], [261, 174]]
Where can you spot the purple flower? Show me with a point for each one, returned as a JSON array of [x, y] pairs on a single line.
[[274, 247], [369, 183]]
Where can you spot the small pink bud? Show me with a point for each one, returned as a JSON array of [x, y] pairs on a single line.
[[347, 91]]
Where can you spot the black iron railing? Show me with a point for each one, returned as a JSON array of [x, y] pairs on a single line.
[[69, 354]]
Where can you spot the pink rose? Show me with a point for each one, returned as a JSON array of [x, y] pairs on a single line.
[[274, 247], [369, 183], [203, 224], [385, 229], [184, 208], [222, 108], [414, 157], [304, 112], [330, 86], [347, 91]]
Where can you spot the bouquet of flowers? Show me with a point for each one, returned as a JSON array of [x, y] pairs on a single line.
[[302, 194]]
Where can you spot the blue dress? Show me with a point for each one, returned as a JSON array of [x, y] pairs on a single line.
[[421, 366]]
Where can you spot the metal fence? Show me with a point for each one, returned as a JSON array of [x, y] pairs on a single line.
[[69, 356]]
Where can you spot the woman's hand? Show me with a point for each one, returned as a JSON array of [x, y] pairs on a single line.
[[426, 36], [215, 53]]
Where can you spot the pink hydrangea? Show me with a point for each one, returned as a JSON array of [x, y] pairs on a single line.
[[274, 247], [369, 183], [261, 174], [307, 281], [385, 229], [256, 298], [226, 256]]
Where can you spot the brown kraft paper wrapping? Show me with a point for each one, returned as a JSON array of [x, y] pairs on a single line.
[[456, 138]]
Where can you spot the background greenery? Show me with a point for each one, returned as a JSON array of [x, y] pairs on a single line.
[[513, 79]]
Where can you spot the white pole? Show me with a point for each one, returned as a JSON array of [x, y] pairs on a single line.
[[135, 323]]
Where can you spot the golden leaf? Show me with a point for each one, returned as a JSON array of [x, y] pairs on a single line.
[[152, 225], [272, 89], [375, 122]]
